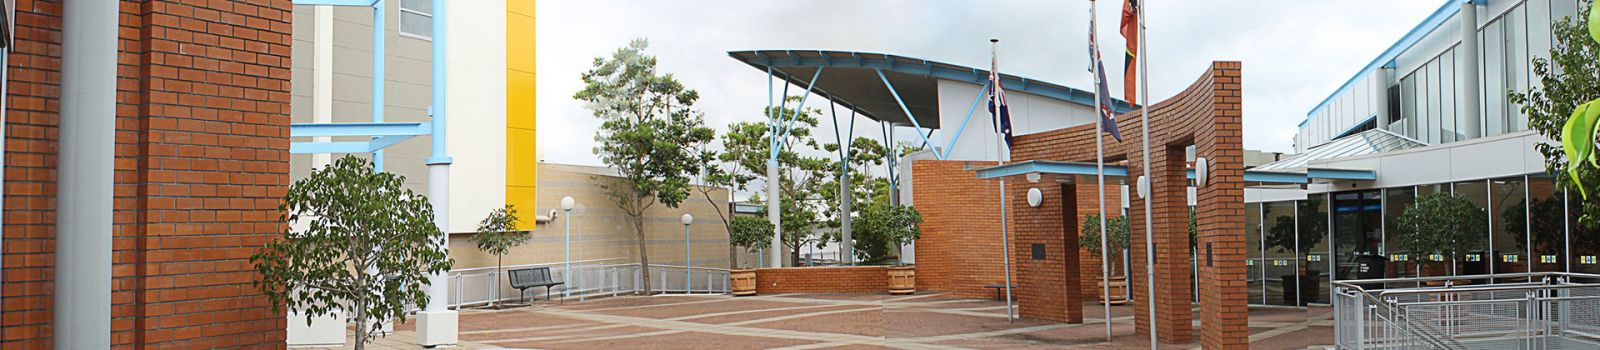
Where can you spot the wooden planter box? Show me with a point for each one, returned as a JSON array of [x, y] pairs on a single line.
[[902, 280], [1119, 291], [743, 282]]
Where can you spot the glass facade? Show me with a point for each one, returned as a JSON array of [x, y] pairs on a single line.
[[1533, 228]]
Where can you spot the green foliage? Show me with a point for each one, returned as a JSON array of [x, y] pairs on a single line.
[[498, 233], [646, 118], [1441, 223], [367, 245], [1564, 108], [802, 177], [1089, 236], [749, 232], [882, 227]]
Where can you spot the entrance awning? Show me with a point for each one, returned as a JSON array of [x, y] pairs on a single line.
[[1083, 168]]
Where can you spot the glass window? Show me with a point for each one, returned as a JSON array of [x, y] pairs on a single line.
[[1425, 130], [1509, 228], [1516, 51], [1408, 104], [1433, 103], [1279, 242], [1252, 250], [1396, 200], [1475, 262], [1357, 233], [1447, 97], [1563, 11], [1313, 221], [1585, 248], [1494, 86], [416, 18], [1547, 230]]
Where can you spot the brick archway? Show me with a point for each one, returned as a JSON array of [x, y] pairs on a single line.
[[1208, 116]]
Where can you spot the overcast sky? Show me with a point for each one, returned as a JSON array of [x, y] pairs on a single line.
[[1294, 53]]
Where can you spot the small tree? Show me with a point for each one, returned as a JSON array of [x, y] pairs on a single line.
[[498, 233], [368, 245], [1562, 107], [883, 227], [1089, 237], [1442, 224], [646, 118], [751, 233]]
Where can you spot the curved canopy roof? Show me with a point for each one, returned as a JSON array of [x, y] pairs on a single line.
[[851, 79]]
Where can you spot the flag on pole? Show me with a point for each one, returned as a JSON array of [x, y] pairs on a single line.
[[1108, 118], [1130, 31], [1002, 119]]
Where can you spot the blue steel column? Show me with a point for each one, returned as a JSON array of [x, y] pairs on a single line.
[[378, 32], [437, 314], [776, 142]]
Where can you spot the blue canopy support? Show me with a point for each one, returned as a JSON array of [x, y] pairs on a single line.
[[963, 127], [779, 135], [907, 110], [383, 135]]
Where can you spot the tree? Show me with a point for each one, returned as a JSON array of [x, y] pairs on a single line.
[[1564, 109], [1089, 237], [367, 244], [1301, 237], [883, 227], [1442, 224], [646, 118], [748, 145], [749, 232], [498, 233]]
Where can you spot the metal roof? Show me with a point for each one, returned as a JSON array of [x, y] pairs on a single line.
[[851, 80], [1362, 143]]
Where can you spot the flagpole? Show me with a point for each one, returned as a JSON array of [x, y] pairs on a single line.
[[1100, 172], [1000, 159], [1149, 224]]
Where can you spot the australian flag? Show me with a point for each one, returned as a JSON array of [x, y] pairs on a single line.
[[1108, 119], [1001, 120]]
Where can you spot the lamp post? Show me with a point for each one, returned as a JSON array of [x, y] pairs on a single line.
[[566, 206], [687, 219]]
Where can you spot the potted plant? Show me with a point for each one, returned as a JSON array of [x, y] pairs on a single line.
[[1441, 227], [1117, 242], [883, 226], [752, 234], [497, 234]]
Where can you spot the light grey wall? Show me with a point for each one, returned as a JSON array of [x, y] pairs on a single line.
[[1029, 114], [407, 87]]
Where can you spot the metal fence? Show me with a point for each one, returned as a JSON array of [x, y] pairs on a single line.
[[1502, 311], [590, 278]]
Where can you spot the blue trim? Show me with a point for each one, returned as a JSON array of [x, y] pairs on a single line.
[[763, 59], [329, 147], [1048, 167], [1270, 177], [1449, 9], [907, 110], [378, 31], [439, 156], [359, 129], [779, 139], [1341, 174], [964, 120]]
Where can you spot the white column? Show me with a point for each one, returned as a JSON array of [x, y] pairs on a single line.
[[773, 214], [84, 175], [437, 324], [1381, 78], [1468, 69]]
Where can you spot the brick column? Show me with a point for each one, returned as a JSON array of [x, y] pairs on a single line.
[[1050, 287]]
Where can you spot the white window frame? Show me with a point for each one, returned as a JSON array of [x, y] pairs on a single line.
[[400, 19]]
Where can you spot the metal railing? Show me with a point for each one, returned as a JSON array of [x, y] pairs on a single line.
[[590, 278], [1547, 310]]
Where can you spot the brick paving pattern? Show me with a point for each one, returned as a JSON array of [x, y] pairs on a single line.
[[828, 321]]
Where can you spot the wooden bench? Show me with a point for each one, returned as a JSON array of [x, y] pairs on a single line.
[[1000, 290], [522, 279]]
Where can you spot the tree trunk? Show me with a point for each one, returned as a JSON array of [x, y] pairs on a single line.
[[644, 253], [794, 256], [361, 327], [498, 271]]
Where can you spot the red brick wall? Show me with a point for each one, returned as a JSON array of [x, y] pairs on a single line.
[[201, 160], [1089, 262], [844, 279], [1207, 115], [960, 249]]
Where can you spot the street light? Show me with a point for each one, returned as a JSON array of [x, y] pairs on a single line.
[[566, 273], [687, 219]]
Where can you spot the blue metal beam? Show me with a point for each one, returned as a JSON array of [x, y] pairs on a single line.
[[329, 147], [1270, 177], [359, 129], [1341, 174], [910, 116], [974, 107], [781, 135]]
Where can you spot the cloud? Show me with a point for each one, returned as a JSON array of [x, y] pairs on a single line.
[[1295, 52]]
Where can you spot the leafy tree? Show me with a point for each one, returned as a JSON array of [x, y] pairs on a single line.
[[1564, 111], [646, 118], [883, 227], [1443, 224], [368, 245], [498, 233], [1089, 235], [750, 232], [746, 149]]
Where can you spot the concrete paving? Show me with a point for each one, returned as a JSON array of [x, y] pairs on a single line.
[[827, 321]]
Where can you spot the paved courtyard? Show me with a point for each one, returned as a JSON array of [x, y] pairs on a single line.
[[826, 321]]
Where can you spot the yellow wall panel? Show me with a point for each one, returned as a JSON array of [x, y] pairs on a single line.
[[521, 7], [521, 164], [520, 43], [520, 105], [522, 159], [522, 198]]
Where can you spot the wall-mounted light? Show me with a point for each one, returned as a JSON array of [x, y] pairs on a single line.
[[1035, 197], [1033, 177], [1143, 187], [1202, 171]]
